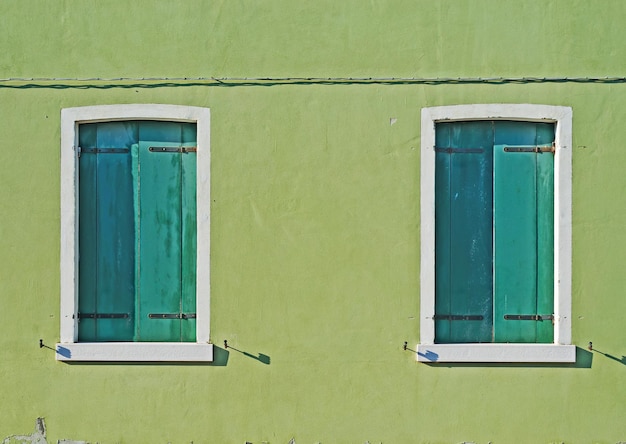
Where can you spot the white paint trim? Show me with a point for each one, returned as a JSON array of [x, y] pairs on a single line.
[[554, 353], [562, 116], [70, 119], [135, 351]]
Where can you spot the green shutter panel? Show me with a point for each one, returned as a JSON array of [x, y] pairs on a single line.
[[463, 232], [106, 304], [159, 234], [166, 235], [515, 244], [523, 244]]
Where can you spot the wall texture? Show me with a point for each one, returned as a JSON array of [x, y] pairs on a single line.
[[315, 217]]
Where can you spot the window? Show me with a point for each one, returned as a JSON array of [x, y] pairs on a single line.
[[495, 234], [135, 234]]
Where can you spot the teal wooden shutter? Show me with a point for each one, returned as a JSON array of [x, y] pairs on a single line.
[[166, 237], [523, 238], [463, 231], [523, 235], [494, 232], [106, 239], [137, 232], [515, 244]]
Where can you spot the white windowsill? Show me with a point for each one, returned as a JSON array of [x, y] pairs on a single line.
[[504, 353], [135, 351]]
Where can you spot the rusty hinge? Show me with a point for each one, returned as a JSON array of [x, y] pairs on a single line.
[[173, 149], [530, 149], [529, 317], [172, 315]]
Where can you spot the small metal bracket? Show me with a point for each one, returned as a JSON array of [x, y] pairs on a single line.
[[458, 317], [173, 149], [510, 317], [172, 315]]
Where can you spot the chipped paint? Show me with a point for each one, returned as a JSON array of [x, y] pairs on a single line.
[[37, 437]]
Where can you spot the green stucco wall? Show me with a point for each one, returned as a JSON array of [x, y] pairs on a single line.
[[315, 218]]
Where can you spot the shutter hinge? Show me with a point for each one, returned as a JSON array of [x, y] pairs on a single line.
[[172, 315], [103, 315], [172, 149], [530, 149], [449, 150], [536, 317], [458, 317]]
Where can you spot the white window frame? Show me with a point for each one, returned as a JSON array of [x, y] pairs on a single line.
[[69, 349], [561, 351]]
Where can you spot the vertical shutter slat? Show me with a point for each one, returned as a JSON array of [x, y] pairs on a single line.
[[464, 227], [545, 245], [188, 239], [159, 237], [87, 241], [515, 244]]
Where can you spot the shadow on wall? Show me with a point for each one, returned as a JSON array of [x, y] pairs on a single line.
[[262, 358], [614, 358]]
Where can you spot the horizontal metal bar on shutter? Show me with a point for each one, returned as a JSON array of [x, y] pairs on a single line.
[[529, 149], [458, 150], [458, 317], [103, 315], [510, 317], [172, 315], [173, 149], [104, 150]]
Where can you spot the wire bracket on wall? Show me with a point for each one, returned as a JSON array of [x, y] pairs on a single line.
[[261, 357], [42, 345]]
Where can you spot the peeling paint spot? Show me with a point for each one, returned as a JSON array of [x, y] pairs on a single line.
[[37, 437], [392, 120]]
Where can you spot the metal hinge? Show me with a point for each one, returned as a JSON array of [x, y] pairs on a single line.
[[172, 315], [173, 149], [103, 315], [529, 317], [458, 150], [105, 150], [530, 149], [458, 317]]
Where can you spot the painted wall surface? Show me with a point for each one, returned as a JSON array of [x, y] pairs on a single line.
[[315, 217]]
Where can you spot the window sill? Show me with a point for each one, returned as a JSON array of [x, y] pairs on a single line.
[[511, 353], [135, 351]]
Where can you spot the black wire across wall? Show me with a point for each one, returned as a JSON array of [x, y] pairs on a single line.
[[169, 82]]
